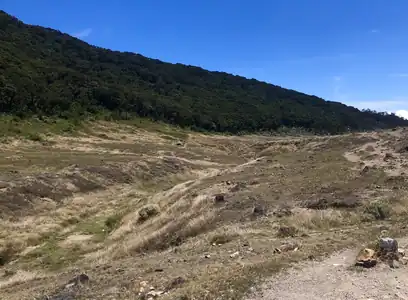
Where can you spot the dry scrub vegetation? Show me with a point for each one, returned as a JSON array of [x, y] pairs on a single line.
[[194, 216]]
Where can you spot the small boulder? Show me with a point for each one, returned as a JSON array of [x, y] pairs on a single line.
[[219, 198], [259, 210], [234, 255], [176, 282], [147, 212], [77, 280], [394, 264], [237, 187], [388, 245], [366, 258], [365, 170], [388, 156], [287, 247]]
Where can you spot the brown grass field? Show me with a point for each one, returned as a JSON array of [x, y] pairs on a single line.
[[193, 216]]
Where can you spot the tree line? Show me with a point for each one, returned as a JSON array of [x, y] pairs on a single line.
[[46, 72]]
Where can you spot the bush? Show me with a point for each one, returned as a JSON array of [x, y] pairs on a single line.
[[287, 231], [112, 222], [7, 253], [379, 210], [35, 137], [148, 212]]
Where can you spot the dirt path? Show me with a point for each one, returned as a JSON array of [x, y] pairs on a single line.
[[333, 279]]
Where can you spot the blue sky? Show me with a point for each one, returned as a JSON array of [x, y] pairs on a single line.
[[352, 51]]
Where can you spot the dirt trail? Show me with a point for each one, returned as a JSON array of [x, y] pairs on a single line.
[[334, 279]]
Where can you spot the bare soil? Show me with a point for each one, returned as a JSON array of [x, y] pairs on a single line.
[[334, 279]]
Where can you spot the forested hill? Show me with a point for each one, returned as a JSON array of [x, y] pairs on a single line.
[[46, 72]]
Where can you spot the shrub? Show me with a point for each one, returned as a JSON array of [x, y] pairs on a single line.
[[148, 212], [379, 210], [287, 231]]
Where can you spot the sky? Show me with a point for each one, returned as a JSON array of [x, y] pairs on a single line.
[[351, 51]]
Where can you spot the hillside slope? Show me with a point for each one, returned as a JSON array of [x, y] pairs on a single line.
[[44, 71]]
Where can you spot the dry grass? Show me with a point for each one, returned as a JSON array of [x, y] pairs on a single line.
[[129, 204]]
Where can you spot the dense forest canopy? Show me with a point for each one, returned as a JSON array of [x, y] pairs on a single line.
[[46, 72]]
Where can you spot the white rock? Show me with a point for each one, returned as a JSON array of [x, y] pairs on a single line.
[[235, 254], [143, 283]]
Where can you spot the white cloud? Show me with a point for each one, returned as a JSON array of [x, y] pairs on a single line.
[[374, 31], [399, 106], [83, 33], [399, 75], [402, 114]]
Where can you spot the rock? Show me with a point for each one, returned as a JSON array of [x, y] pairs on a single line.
[[365, 170], [77, 280], [388, 245], [154, 294], [259, 210], [207, 256], [219, 198], [235, 254], [388, 156], [366, 258], [237, 187], [143, 283], [4, 184], [289, 247], [176, 282], [147, 212], [404, 260], [394, 264], [159, 270], [401, 252], [277, 251]]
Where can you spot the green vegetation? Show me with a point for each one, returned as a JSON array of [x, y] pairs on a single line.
[[35, 129], [380, 210], [52, 256], [44, 72]]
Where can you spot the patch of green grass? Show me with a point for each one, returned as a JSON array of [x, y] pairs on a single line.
[[35, 137], [54, 257], [159, 127], [101, 227], [112, 222], [33, 128]]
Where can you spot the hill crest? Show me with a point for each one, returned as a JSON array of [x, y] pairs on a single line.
[[46, 72]]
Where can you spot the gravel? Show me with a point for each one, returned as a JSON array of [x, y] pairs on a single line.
[[334, 279]]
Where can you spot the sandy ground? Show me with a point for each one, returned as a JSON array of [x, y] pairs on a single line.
[[335, 279]]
